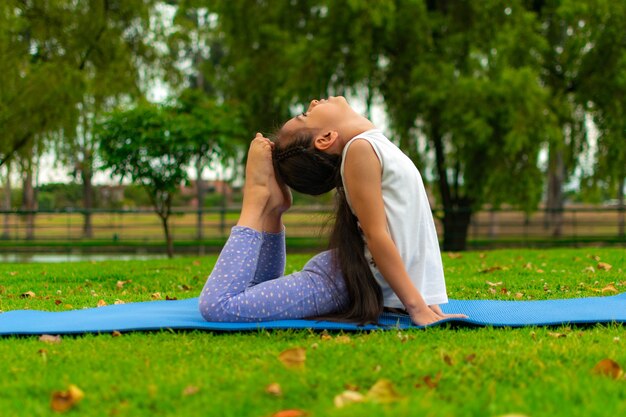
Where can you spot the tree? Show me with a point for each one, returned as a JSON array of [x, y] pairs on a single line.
[[211, 130], [153, 146], [93, 53], [473, 92]]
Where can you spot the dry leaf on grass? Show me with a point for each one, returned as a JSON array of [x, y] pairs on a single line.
[[293, 358], [429, 381], [116, 333], [28, 294], [64, 400], [156, 296], [491, 269], [290, 413], [101, 303], [343, 339], [453, 255], [190, 390], [604, 266], [610, 288], [448, 360], [470, 358], [118, 301], [48, 338], [556, 335], [383, 392], [493, 284], [274, 389], [608, 367], [348, 397]]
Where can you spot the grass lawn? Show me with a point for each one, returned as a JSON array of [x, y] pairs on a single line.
[[434, 372]]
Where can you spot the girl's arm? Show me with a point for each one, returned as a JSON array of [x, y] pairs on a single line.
[[363, 179]]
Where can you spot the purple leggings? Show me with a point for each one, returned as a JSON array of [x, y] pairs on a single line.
[[247, 282]]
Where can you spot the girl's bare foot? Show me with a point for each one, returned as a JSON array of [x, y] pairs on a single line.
[[256, 192], [259, 168], [280, 196]]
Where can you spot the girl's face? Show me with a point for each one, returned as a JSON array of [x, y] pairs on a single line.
[[322, 114]]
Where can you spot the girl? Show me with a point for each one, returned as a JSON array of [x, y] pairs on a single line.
[[383, 249]]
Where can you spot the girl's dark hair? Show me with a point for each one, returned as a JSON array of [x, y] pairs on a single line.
[[310, 171]]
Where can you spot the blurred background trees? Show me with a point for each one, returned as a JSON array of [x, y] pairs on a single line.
[[497, 102]]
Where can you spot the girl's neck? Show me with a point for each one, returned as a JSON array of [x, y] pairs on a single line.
[[353, 129]]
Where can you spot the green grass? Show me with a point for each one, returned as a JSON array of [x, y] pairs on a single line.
[[527, 371]]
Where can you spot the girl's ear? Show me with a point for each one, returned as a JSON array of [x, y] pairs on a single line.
[[325, 140]]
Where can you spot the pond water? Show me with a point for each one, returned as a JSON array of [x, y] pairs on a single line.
[[75, 257]]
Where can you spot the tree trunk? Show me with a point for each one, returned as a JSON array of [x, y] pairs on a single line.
[[620, 205], [200, 198], [168, 237], [86, 174], [6, 232], [456, 221], [554, 199], [493, 224], [28, 199]]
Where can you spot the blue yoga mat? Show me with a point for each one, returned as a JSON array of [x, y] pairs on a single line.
[[183, 314]]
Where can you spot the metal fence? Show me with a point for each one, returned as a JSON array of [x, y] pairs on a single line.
[[496, 227]]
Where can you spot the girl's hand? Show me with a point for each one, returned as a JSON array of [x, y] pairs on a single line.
[[443, 315], [430, 315]]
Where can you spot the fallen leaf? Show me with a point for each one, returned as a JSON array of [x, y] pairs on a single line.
[[274, 389], [595, 258], [453, 255], [28, 294], [348, 397], [491, 269], [48, 338], [351, 387], [383, 391], [448, 360], [470, 358], [493, 284], [120, 284], [482, 255], [64, 400], [556, 335], [540, 271], [293, 358], [13, 273], [608, 367], [610, 288], [431, 382], [118, 302], [325, 336], [528, 266], [196, 263], [519, 295], [68, 306], [589, 269], [343, 339], [168, 298], [604, 266], [290, 413], [102, 303], [116, 333], [156, 296], [190, 390], [57, 302]]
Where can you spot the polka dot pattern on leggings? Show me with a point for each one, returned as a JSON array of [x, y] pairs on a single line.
[[247, 283]]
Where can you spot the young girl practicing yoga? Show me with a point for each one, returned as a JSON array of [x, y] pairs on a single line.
[[383, 251]]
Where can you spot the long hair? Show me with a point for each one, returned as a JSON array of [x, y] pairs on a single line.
[[310, 171]]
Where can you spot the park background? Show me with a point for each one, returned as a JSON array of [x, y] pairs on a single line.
[[512, 110], [114, 110]]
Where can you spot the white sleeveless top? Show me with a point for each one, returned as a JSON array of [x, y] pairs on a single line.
[[409, 219]]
